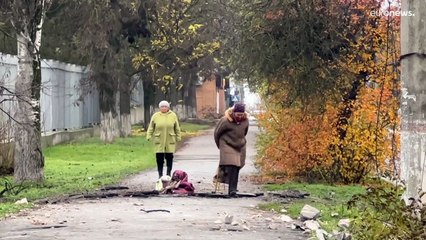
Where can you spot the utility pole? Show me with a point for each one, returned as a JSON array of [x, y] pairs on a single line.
[[413, 99]]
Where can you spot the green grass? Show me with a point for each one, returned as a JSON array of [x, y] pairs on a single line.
[[10, 208], [85, 165], [192, 127], [330, 200]]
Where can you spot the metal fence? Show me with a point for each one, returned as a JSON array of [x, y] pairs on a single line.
[[63, 104]]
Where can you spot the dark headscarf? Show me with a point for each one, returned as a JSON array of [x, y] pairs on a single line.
[[239, 107]]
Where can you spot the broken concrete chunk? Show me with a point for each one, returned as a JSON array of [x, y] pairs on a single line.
[[286, 218], [308, 213], [228, 219], [344, 223], [321, 234], [22, 201], [245, 227], [312, 225]]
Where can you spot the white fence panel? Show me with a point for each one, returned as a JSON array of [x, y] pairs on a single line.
[[62, 107]]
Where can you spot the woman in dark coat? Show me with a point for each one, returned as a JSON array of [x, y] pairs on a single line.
[[230, 137]]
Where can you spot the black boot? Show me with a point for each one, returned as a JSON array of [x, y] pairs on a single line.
[[169, 163], [233, 180], [160, 163]]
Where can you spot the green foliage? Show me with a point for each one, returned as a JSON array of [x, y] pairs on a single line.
[[176, 45], [7, 38], [60, 34], [384, 215], [293, 43]]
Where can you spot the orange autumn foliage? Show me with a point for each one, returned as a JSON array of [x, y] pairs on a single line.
[[371, 139], [347, 140], [297, 141], [371, 132]]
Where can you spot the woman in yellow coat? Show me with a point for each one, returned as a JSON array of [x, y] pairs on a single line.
[[164, 130]]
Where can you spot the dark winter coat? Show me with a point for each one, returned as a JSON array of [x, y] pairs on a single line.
[[230, 138]]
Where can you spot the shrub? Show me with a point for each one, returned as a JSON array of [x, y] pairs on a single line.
[[384, 215]]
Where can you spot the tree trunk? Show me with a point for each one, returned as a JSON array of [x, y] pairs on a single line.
[[109, 100], [149, 101], [109, 126], [413, 102], [29, 160], [125, 123], [191, 97]]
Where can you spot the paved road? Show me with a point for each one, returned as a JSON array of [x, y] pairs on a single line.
[[189, 217]]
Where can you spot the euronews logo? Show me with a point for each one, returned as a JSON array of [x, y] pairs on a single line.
[[380, 13]]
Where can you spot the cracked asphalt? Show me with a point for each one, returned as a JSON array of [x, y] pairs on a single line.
[[183, 217]]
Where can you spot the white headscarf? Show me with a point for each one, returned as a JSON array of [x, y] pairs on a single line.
[[164, 104]]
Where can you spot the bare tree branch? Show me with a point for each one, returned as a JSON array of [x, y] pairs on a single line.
[[10, 116]]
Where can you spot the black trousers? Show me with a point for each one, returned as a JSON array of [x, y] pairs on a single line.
[[160, 163], [232, 174]]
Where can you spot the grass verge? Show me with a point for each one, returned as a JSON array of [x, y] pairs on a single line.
[[330, 200]]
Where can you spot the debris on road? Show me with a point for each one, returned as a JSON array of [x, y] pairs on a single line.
[[155, 210]]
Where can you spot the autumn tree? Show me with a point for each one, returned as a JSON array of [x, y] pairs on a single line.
[[288, 50], [170, 59], [368, 122], [326, 72]]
